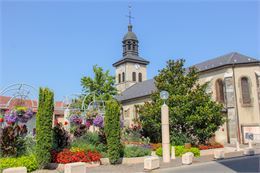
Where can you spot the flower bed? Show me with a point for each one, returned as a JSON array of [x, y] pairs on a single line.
[[207, 147], [68, 156]]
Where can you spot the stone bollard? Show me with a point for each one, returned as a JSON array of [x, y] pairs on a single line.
[[77, 167], [237, 146], [219, 154], [173, 153], [250, 144], [249, 152], [151, 163], [187, 158], [15, 170]]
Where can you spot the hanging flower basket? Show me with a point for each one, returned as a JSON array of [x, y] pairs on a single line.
[[76, 120], [18, 114]]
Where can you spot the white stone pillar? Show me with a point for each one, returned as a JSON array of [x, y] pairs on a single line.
[[237, 146], [66, 118], [165, 133], [250, 144], [173, 153]]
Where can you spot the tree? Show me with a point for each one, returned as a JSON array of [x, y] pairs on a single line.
[[194, 116], [44, 133], [102, 86], [112, 131]]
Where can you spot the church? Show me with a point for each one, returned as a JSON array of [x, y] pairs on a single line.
[[234, 81]]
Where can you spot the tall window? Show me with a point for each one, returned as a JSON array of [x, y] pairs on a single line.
[[134, 76], [129, 45], [219, 91], [140, 77], [245, 90], [119, 78], [123, 76]]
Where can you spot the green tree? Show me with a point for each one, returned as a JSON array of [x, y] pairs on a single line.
[[102, 86], [44, 134], [112, 131], [194, 116]]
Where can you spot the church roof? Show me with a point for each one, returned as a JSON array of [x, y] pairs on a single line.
[[130, 36], [131, 58], [140, 89], [227, 59], [147, 87]]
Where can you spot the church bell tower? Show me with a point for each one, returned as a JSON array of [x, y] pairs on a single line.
[[131, 68]]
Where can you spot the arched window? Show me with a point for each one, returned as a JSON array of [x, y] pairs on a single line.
[[140, 77], [119, 78], [129, 45], [134, 76], [246, 99], [219, 91], [123, 77]]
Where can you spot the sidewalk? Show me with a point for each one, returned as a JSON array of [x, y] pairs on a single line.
[[138, 168]]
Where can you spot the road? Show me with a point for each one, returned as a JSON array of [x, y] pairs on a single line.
[[240, 164]]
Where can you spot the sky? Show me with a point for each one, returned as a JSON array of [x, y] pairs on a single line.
[[55, 43]]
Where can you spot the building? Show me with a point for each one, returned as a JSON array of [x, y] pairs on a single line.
[[234, 80]]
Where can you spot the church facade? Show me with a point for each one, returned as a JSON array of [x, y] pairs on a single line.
[[234, 81]]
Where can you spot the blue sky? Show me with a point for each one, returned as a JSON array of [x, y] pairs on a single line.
[[55, 43]]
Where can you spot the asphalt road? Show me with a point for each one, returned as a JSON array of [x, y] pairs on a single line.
[[240, 164]]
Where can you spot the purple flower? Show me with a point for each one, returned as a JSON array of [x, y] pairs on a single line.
[[75, 119], [11, 118], [88, 123], [99, 121]]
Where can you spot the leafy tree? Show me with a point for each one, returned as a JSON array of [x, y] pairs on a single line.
[[112, 131], [102, 86], [193, 117], [44, 133]]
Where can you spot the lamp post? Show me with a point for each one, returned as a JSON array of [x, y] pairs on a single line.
[[164, 95]]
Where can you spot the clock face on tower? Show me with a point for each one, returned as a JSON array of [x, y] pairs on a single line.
[[137, 66]]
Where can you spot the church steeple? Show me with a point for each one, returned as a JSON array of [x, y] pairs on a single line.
[[130, 41], [131, 68]]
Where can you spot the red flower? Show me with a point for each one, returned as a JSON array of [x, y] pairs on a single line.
[[66, 123]]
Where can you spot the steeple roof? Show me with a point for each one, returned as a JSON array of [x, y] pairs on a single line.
[[130, 49]]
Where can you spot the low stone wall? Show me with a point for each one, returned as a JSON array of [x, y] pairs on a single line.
[[132, 160]]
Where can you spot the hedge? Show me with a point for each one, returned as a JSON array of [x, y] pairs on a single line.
[[44, 133], [180, 150], [25, 161], [112, 131]]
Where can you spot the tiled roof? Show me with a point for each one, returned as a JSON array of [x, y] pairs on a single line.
[[228, 59], [147, 87], [58, 107], [138, 90]]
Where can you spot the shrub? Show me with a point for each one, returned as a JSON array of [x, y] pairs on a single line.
[[112, 131], [27, 161], [180, 150], [44, 134], [136, 151], [29, 144], [60, 137]]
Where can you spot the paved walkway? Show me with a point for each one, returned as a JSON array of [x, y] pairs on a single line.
[[138, 168]]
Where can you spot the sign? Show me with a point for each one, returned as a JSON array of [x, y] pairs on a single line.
[[251, 133]]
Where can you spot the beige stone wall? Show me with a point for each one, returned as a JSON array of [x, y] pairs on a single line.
[[129, 111], [248, 114], [128, 68]]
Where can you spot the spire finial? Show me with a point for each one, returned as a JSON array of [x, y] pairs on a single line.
[[129, 17]]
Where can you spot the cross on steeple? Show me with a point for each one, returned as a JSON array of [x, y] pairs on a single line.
[[129, 14]]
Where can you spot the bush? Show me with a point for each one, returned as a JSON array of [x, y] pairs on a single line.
[[112, 131], [180, 150], [136, 151], [60, 137], [44, 133], [29, 144], [12, 141], [27, 161]]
